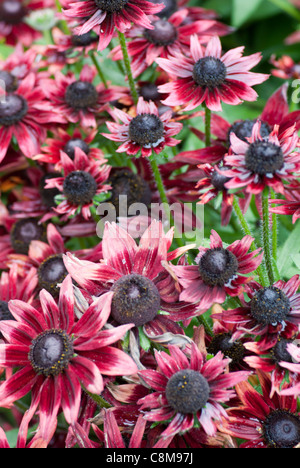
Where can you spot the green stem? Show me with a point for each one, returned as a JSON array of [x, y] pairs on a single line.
[[267, 235], [127, 64], [247, 231], [160, 185], [207, 126], [275, 239], [99, 70], [202, 321]]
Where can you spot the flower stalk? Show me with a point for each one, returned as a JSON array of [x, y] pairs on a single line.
[[267, 235], [246, 229]]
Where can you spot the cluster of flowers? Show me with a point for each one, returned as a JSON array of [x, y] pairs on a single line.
[[141, 342]]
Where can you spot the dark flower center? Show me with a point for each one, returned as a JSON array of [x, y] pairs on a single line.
[[84, 40], [9, 80], [187, 391], [79, 187], [69, 148], [146, 130], [163, 34], [209, 72], [126, 183], [269, 306], [24, 231], [218, 266], [149, 92], [243, 129], [12, 11], [136, 300], [263, 157], [51, 352], [111, 6], [52, 272], [282, 429], [279, 352], [12, 109], [170, 7], [231, 349], [48, 195], [219, 180], [5, 313], [81, 95]]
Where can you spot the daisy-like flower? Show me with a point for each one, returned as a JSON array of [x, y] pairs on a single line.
[[263, 421], [67, 141], [106, 15], [15, 286], [290, 205], [219, 271], [67, 48], [146, 131], [223, 340], [286, 67], [186, 387], [169, 37], [275, 112], [13, 26], [136, 274], [207, 76], [79, 100], [26, 115], [55, 355], [263, 160], [271, 354], [211, 185], [82, 182], [270, 309]]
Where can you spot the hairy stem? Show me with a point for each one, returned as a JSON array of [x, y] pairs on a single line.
[[127, 64]]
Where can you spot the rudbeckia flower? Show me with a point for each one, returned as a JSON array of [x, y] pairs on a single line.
[[56, 355], [208, 76]]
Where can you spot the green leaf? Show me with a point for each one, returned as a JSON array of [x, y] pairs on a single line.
[[144, 340], [289, 251], [243, 10]]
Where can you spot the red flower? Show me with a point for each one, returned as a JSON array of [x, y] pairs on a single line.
[[219, 271], [286, 67], [83, 180], [185, 387], [263, 160], [25, 114], [271, 309], [291, 204], [147, 131], [263, 421], [169, 37], [77, 353], [16, 286], [66, 141], [275, 112], [107, 15], [211, 186], [79, 100], [210, 77]]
